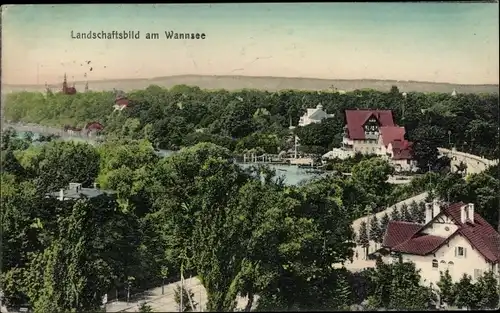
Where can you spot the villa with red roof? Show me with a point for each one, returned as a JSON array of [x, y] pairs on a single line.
[[374, 132], [453, 238]]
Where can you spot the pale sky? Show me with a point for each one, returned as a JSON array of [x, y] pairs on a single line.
[[437, 42]]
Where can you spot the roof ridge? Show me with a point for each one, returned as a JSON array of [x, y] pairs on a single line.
[[404, 222]]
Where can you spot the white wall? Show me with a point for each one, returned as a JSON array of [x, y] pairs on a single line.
[[441, 230], [365, 146], [403, 165], [473, 260]]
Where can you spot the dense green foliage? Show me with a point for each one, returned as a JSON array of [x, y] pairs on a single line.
[[481, 295], [196, 210], [259, 120], [239, 230]]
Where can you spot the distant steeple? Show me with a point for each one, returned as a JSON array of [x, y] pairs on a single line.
[[86, 86], [454, 93], [65, 84]]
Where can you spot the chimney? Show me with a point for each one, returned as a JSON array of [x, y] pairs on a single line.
[[61, 194], [470, 212], [463, 214], [436, 208], [428, 212]]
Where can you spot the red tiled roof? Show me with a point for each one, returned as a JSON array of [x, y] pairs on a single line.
[[421, 244], [121, 101], [481, 235], [355, 119], [406, 237], [94, 125], [391, 133], [401, 150], [397, 232]]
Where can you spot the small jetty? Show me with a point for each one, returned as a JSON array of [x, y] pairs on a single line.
[[264, 158]]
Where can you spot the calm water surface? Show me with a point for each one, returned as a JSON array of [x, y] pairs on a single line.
[[292, 174]]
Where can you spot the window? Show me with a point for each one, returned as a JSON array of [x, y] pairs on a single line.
[[450, 264], [443, 262], [477, 273], [460, 252], [435, 264]]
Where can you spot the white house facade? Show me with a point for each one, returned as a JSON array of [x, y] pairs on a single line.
[[453, 238], [314, 116], [337, 153]]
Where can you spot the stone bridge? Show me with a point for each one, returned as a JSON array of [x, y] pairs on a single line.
[[475, 164]]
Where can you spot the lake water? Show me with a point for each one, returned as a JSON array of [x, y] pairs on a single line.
[[292, 174]]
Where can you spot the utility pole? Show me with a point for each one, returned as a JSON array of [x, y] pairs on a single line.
[[368, 228], [181, 304], [403, 106], [296, 146]]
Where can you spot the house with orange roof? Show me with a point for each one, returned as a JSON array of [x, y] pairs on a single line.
[[454, 237]]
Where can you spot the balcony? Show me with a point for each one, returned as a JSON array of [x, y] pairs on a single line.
[[371, 135]]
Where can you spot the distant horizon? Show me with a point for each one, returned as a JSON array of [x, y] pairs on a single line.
[[245, 76], [456, 43]]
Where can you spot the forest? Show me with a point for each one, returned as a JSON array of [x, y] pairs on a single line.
[[240, 231], [253, 120]]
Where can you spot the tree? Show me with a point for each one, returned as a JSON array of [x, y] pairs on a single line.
[[426, 141], [144, 307], [397, 286], [384, 222], [10, 164], [202, 184], [372, 175], [487, 290], [405, 213], [60, 163], [413, 210], [363, 235], [396, 214], [446, 288], [375, 231], [466, 296]]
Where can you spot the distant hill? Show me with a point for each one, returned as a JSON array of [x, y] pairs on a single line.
[[265, 83]]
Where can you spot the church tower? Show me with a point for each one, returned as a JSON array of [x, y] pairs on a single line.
[[87, 86], [65, 85]]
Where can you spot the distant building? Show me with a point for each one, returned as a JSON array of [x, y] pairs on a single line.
[[454, 93], [72, 130], [394, 147], [76, 191], [93, 129], [121, 100], [338, 153], [67, 90], [374, 132], [454, 237], [314, 116]]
